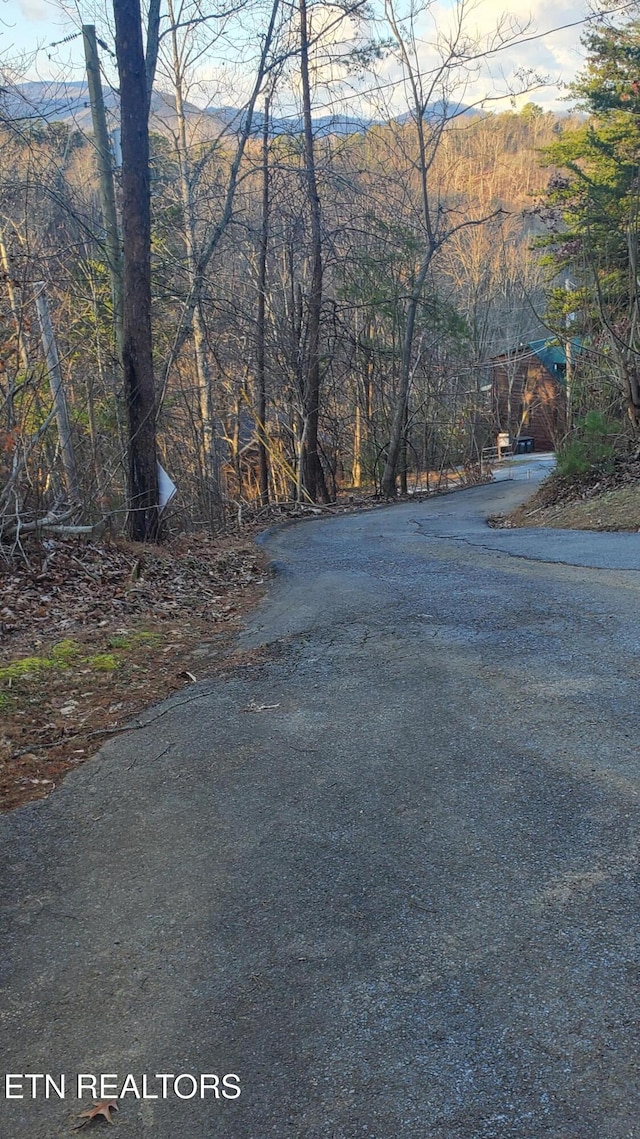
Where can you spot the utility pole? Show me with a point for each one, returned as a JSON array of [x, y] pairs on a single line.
[[105, 180], [57, 391]]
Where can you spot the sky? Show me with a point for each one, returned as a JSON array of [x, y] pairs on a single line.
[[31, 26]]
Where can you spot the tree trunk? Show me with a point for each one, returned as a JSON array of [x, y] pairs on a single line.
[[312, 476], [58, 394], [105, 179], [631, 388], [356, 469], [209, 451], [403, 457], [263, 463], [137, 350], [23, 354], [397, 428], [630, 372]]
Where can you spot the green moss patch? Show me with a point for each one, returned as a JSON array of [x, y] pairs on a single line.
[[132, 640], [103, 662], [65, 655], [61, 656]]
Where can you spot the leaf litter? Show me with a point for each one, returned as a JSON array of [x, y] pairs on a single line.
[[93, 633]]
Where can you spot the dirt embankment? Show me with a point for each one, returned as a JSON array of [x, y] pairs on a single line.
[[597, 501]]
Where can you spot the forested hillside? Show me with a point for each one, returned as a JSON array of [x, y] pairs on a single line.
[[482, 294], [323, 305]]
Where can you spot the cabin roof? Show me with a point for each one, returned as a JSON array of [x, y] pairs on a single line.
[[550, 352]]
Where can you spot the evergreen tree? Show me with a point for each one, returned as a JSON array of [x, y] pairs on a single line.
[[593, 200]]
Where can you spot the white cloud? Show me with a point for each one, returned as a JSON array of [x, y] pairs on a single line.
[[535, 40], [549, 45], [34, 11], [556, 51]]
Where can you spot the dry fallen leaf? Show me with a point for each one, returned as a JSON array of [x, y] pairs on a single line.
[[104, 1108], [97, 607]]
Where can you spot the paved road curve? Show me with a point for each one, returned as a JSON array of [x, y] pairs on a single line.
[[388, 875]]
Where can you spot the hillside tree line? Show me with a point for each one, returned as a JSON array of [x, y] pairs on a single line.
[[278, 307]]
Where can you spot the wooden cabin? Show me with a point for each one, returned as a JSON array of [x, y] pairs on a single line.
[[528, 387]]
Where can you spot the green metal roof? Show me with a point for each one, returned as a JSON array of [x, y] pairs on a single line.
[[551, 353]]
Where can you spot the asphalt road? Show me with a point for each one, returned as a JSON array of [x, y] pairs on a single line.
[[386, 874]]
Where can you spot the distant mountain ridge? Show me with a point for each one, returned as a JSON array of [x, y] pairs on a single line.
[[69, 103]]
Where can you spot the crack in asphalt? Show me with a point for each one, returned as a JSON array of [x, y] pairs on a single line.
[[498, 552]]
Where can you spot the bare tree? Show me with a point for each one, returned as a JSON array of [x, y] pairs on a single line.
[[435, 98], [261, 380], [311, 477], [203, 237]]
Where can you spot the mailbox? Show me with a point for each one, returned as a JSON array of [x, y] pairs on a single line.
[[504, 443]]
